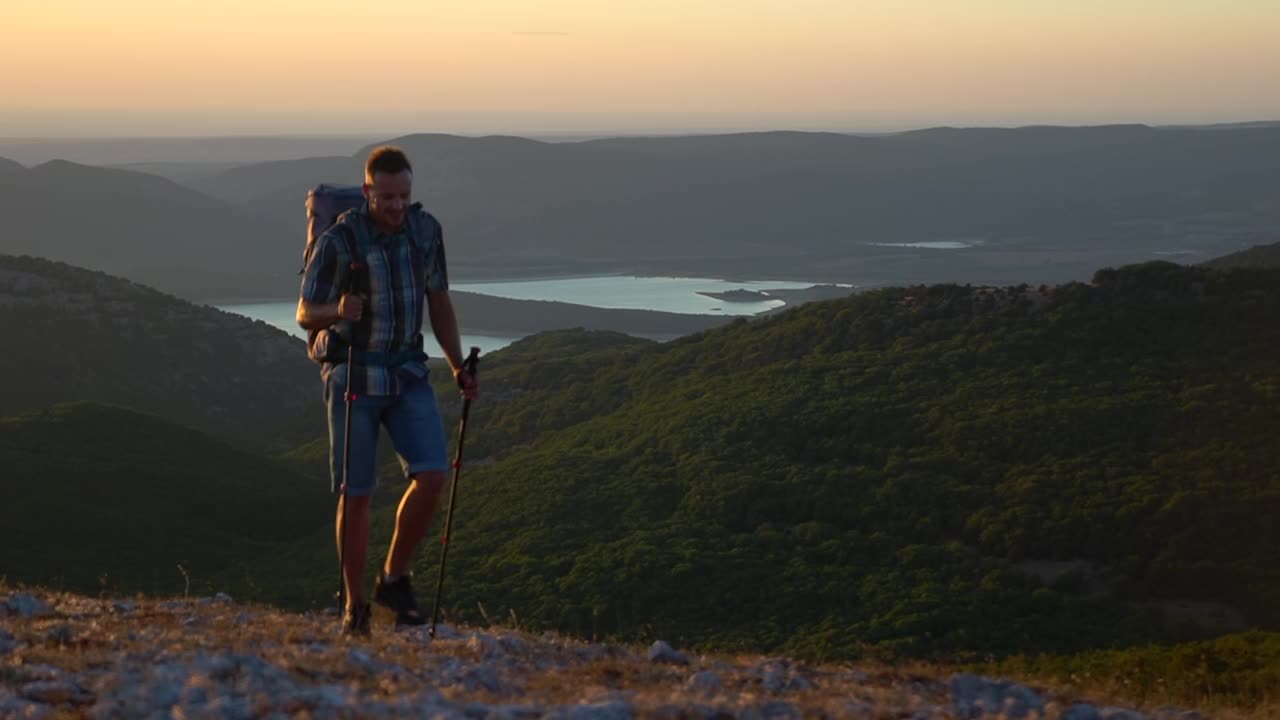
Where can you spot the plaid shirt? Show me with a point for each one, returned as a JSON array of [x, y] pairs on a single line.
[[400, 268]]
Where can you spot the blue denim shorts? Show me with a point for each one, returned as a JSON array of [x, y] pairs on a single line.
[[412, 421]]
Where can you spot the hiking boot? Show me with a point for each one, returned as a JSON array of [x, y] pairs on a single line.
[[398, 596], [355, 621]]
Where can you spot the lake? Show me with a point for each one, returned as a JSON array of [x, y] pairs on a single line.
[[668, 294]]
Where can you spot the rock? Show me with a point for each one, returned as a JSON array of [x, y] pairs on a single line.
[[447, 632], [222, 599], [55, 692], [512, 644], [661, 652], [486, 646], [363, 660], [8, 643], [230, 708], [854, 710], [19, 708], [778, 710], [853, 676], [799, 683], [481, 677], [38, 672], [1081, 711], [973, 696], [776, 676], [515, 712], [124, 607], [1114, 713], [1173, 713], [774, 679], [705, 682], [27, 606], [165, 694], [688, 712], [60, 635], [616, 710], [195, 695]]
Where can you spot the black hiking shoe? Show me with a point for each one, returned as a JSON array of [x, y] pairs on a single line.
[[398, 596], [355, 621]]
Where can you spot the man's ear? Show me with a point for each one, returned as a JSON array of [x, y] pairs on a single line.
[[364, 188]]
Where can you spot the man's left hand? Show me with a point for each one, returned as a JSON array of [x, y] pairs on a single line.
[[466, 383]]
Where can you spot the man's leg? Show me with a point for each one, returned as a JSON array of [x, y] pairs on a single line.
[[413, 519], [365, 411], [357, 537], [413, 422]]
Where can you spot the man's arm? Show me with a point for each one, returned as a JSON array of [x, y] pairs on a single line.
[[319, 302], [317, 316], [444, 324]]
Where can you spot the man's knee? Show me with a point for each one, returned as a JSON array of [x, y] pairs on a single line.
[[431, 481]]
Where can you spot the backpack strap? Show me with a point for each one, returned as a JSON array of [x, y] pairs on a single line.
[[356, 276]]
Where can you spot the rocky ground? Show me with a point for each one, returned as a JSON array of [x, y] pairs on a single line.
[[76, 657]]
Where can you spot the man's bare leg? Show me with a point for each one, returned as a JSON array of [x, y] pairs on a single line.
[[353, 558], [413, 519]]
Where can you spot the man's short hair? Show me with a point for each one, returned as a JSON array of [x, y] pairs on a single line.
[[386, 159]]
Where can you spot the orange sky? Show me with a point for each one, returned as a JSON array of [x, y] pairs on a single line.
[[322, 66]]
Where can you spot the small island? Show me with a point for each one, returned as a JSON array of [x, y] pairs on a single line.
[[739, 296]]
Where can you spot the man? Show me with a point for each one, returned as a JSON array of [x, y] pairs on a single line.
[[401, 248]]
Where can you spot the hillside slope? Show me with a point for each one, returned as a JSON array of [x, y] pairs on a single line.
[[104, 498], [73, 335], [933, 469]]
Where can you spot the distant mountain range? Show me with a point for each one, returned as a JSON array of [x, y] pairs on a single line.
[[143, 227], [1036, 204]]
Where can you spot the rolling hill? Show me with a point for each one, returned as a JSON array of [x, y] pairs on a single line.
[[1258, 256], [101, 498], [932, 470], [75, 335]]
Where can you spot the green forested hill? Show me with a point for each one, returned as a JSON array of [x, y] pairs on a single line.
[[74, 335], [1258, 256], [928, 469], [104, 498]]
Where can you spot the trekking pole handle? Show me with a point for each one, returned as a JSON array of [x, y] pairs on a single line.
[[469, 365], [472, 361]]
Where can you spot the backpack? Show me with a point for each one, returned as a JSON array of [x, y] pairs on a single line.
[[325, 203]]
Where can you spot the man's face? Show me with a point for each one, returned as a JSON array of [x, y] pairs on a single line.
[[388, 196]]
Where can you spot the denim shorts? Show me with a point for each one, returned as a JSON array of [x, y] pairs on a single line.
[[412, 421]]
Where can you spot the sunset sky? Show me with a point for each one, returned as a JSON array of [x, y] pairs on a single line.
[[135, 67]]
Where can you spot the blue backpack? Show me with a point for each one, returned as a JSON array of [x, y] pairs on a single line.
[[324, 204]]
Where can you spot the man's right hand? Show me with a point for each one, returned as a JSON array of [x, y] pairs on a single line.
[[351, 307]]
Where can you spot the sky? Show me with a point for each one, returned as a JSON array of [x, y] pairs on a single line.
[[179, 67]]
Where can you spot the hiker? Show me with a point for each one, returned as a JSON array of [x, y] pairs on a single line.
[[401, 249]]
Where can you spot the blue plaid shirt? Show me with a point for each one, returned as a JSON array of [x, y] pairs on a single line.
[[400, 269]]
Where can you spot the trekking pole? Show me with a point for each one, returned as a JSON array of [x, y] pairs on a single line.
[[346, 473], [471, 366], [356, 285]]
